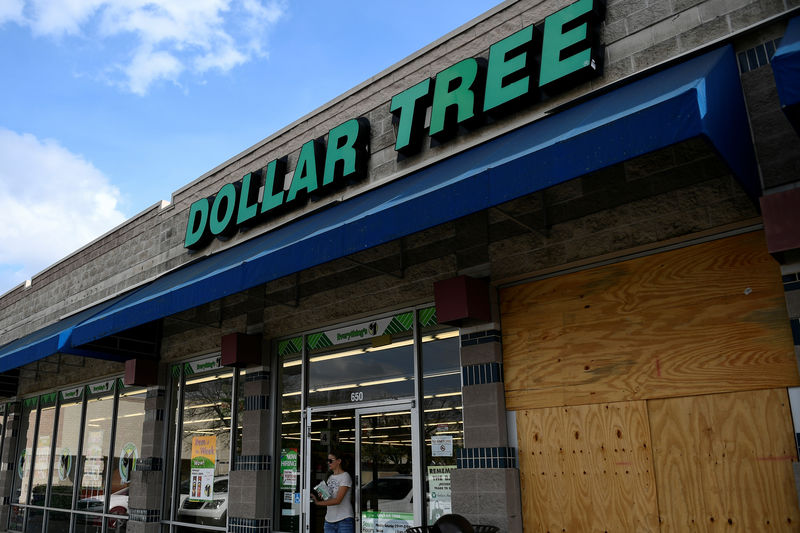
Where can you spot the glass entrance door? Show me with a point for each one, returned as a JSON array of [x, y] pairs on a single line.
[[377, 445], [388, 470]]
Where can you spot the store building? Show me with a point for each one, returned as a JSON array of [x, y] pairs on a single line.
[[543, 273]]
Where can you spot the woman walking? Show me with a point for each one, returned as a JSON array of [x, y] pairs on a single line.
[[339, 516]]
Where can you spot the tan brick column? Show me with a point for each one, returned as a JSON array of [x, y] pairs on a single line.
[[485, 484]]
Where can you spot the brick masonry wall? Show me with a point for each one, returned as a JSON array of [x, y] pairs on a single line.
[[637, 34]]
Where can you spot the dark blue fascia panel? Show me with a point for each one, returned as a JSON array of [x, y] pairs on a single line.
[[786, 69], [699, 98]]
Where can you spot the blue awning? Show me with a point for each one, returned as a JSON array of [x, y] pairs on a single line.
[[699, 98], [786, 69], [47, 341]]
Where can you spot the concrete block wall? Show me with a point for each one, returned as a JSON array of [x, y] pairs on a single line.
[[637, 34]]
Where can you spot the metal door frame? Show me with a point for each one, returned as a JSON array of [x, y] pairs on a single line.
[[362, 408]]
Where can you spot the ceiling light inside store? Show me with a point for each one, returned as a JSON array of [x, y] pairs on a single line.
[[141, 393], [335, 387], [442, 374], [205, 420], [210, 378], [336, 355], [408, 342], [201, 405], [387, 414], [440, 336], [382, 382]]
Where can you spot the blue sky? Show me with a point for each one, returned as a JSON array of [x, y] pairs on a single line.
[[108, 106]]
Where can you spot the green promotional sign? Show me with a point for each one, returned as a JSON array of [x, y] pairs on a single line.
[[103, 386], [203, 365], [71, 394], [289, 471], [385, 522]]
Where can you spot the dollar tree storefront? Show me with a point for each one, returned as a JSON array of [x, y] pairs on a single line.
[[529, 275]]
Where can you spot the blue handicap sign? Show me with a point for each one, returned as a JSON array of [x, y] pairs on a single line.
[[296, 497]]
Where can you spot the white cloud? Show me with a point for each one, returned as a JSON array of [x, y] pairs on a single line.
[[11, 10], [170, 37], [148, 66], [52, 202]]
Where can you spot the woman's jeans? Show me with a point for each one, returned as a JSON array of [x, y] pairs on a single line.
[[346, 525]]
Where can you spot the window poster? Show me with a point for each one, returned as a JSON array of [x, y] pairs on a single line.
[[385, 522], [204, 460], [442, 445], [127, 461], [64, 463], [288, 480], [94, 465], [42, 464], [439, 486]]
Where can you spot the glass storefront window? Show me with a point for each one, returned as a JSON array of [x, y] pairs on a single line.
[[22, 466], [65, 461], [54, 427], [203, 394], [95, 456], [127, 446], [41, 457], [27, 431], [442, 416], [205, 443], [380, 368], [290, 390]]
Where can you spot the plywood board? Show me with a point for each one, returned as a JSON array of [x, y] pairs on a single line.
[[724, 462], [701, 319], [587, 468]]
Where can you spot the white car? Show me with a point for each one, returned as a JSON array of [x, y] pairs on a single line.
[[117, 504], [393, 494], [212, 512]]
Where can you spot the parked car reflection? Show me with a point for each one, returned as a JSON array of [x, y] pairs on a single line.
[[388, 494], [117, 504], [212, 512]]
